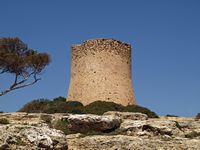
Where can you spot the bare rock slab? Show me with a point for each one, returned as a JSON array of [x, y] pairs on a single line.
[[87, 123], [24, 137], [127, 115], [124, 142]]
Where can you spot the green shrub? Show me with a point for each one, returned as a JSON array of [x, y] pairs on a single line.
[[61, 125], [74, 104], [192, 135], [100, 107], [35, 106], [63, 107], [19, 141], [4, 121], [59, 105], [197, 116], [1, 111], [59, 99], [46, 118], [136, 108], [171, 115], [55, 107], [178, 125]]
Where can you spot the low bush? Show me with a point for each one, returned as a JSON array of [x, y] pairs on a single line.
[[4, 121], [197, 116], [100, 107], [171, 115], [59, 99], [35, 106], [192, 135], [178, 125], [61, 125], [59, 105], [63, 107], [136, 108], [46, 118]]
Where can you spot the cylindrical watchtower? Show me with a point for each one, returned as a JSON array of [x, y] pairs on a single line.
[[101, 70]]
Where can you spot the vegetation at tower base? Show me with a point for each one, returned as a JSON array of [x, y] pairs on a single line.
[[59, 105], [197, 116], [4, 121], [24, 63]]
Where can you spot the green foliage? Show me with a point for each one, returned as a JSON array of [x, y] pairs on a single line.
[[4, 121], [74, 104], [136, 108], [59, 105], [61, 125], [100, 107], [35, 106], [46, 118], [17, 58], [59, 99], [24, 63], [192, 135], [19, 141], [197, 116], [171, 115], [178, 125]]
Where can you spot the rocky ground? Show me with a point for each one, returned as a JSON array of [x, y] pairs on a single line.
[[111, 131]]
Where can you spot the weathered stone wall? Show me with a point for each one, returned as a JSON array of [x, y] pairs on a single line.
[[101, 70]]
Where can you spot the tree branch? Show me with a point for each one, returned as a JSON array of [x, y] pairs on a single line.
[[28, 84], [17, 85]]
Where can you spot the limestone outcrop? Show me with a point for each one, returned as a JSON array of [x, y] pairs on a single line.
[[127, 115], [111, 131], [28, 131], [26, 137], [88, 123], [124, 142]]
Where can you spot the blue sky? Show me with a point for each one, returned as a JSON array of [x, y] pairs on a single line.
[[165, 36]]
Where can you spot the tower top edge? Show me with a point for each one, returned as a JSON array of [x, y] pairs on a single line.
[[99, 40]]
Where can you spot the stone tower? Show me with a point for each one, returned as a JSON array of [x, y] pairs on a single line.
[[101, 70]]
